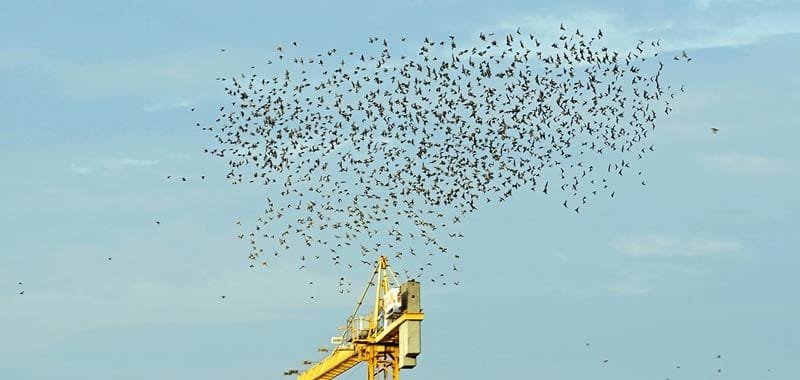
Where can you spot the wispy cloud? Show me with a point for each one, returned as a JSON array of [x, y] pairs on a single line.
[[746, 164], [703, 32], [709, 246], [172, 75], [82, 170], [119, 163], [115, 164], [676, 31], [703, 5], [16, 58], [172, 79], [664, 246], [628, 288], [168, 105], [126, 302]]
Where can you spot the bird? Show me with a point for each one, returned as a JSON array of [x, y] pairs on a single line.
[[714, 130]]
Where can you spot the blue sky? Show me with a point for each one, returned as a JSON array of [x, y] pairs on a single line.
[[699, 262]]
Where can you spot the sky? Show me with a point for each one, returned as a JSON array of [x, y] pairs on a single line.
[[95, 100]]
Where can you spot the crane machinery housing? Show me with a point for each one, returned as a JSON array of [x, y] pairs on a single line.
[[387, 339]]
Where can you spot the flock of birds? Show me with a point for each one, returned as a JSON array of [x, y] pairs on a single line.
[[383, 151]]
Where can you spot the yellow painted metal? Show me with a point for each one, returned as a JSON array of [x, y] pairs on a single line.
[[390, 332], [379, 349], [338, 362]]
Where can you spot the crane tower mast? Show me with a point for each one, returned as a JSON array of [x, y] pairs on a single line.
[[387, 339]]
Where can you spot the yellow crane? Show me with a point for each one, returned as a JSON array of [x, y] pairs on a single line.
[[387, 339]]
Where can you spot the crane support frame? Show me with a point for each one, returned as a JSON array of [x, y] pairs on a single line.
[[385, 350]]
